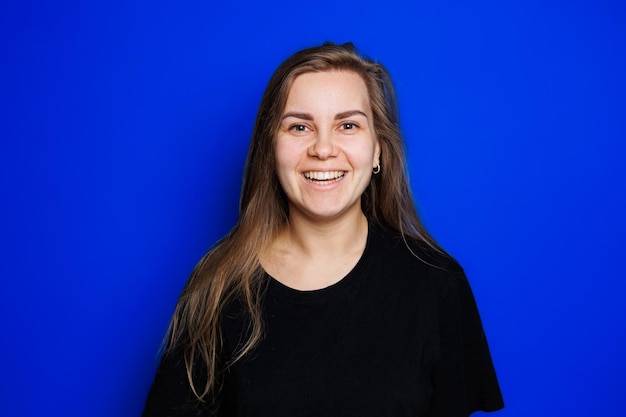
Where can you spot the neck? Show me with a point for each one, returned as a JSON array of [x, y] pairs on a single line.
[[328, 238], [310, 254]]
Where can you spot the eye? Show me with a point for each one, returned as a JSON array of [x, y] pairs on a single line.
[[298, 128], [349, 126]]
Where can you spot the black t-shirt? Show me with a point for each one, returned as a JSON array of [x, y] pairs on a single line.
[[400, 335]]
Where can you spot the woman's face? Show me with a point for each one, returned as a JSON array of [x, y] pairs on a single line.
[[325, 146]]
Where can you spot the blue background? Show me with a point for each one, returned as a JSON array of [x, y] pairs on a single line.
[[124, 130]]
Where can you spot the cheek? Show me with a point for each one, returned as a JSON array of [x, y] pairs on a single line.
[[289, 153], [287, 161], [366, 154], [284, 157]]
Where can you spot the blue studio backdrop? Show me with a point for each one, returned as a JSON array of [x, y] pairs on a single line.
[[124, 128]]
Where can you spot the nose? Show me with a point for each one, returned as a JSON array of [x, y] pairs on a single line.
[[323, 146]]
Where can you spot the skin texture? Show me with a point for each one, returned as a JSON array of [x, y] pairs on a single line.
[[326, 149], [327, 127]]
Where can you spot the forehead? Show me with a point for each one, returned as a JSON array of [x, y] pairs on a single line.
[[330, 89]]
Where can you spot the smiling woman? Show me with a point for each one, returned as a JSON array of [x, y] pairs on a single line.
[[326, 150], [328, 298], [326, 147]]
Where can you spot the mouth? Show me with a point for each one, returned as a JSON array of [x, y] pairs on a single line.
[[323, 177]]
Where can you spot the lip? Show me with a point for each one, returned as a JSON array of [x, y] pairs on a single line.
[[323, 178]]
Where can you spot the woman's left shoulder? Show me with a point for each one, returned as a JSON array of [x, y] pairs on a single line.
[[414, 258], [408, 248]]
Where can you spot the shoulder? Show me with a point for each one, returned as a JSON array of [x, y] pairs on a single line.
[[413, 261], [407, 249]]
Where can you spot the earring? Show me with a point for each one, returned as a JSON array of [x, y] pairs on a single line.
[[377, 169]]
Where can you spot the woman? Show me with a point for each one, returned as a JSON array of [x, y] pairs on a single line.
[[328, 298]]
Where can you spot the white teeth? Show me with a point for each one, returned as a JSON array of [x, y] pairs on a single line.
[[323, 175]]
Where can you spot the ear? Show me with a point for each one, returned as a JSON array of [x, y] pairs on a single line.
[[376, 161]]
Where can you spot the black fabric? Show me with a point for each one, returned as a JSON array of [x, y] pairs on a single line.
[[398, 336]]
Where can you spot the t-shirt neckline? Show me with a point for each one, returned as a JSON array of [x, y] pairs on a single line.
[[287, 293]]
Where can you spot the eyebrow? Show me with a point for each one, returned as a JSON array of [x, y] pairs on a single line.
[[338, 116], [303, 116], [349, 113]]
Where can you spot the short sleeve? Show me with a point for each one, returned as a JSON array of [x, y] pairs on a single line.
[[171, 394], [464, 379]]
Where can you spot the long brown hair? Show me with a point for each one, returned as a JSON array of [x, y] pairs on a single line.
[[232, 269]]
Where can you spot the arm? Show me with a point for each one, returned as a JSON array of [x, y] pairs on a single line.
[[171, 394], [464, 379]]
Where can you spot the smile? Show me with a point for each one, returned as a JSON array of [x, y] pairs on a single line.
[[325, 177]]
